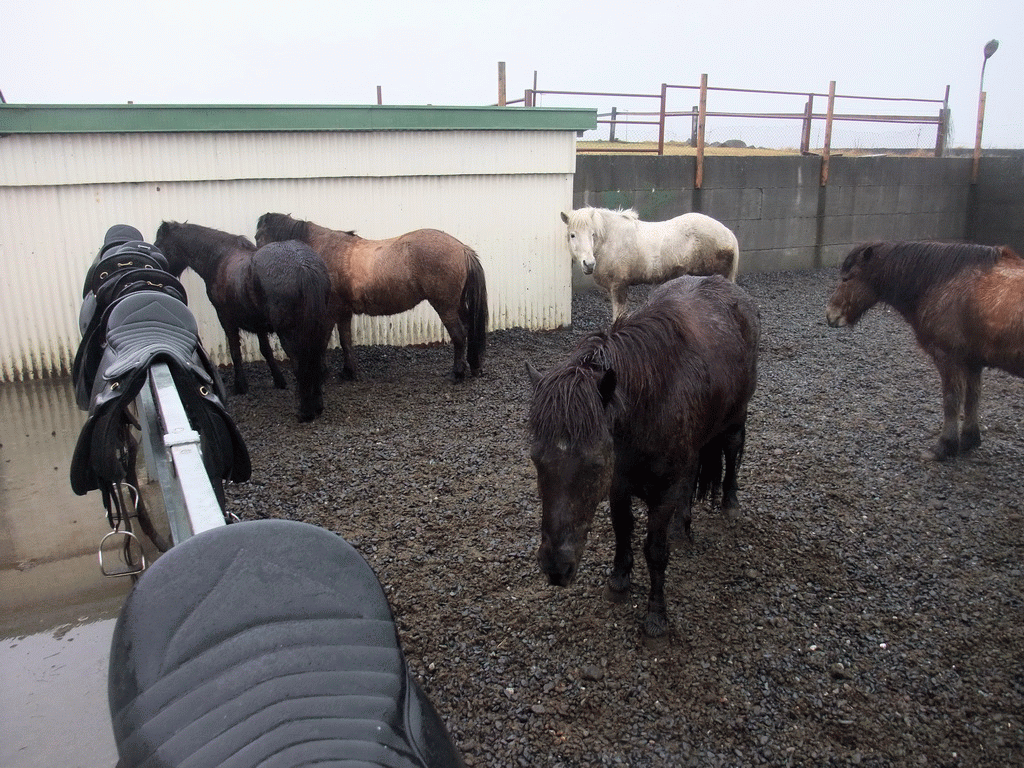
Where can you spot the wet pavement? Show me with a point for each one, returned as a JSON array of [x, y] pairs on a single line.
[[57, 610]]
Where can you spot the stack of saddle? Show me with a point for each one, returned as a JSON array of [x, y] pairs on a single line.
[[134, 314], [267, 643]]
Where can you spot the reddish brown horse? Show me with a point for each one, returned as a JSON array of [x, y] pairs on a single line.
[[966, 305], [385, 277], [649, 408]]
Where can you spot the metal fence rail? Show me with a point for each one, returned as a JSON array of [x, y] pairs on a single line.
[[699, 114], [174, 459]]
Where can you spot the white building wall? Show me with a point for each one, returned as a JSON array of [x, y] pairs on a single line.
[[500, 192]]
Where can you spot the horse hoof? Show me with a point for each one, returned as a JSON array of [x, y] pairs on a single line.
[[733, 514], [617, 596], [970, 439], [943, 450], [678, 534], [656, 625]]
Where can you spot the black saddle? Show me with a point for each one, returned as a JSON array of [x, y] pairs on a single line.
[[266, 643], [143, 328], [95, 315], [133, 315]]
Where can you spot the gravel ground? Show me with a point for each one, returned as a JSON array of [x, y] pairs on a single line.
[[867, 610]]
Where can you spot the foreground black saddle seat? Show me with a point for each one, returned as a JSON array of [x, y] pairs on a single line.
[[267, 643]]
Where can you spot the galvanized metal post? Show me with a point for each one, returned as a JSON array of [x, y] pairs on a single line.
[[977, 138], [805, 134], [661, 120], [190, 502], [611, 125], [501, 83], [943, 129]]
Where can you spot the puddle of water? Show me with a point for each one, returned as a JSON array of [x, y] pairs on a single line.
[[53, 661], [55, 699]]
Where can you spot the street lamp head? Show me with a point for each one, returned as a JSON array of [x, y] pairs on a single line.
[[990, 48]]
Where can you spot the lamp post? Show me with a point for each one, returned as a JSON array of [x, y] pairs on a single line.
[[990, 47]]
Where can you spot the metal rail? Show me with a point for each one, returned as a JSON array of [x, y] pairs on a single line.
[[174, 458]]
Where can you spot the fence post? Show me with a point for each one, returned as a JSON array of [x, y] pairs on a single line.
[[501, 83], [827, 148], [805, 135], [528, 98], [693, 125], [702, 116], [380, 98], [977, 138], [661, 120], [611, 125], [943, 129]]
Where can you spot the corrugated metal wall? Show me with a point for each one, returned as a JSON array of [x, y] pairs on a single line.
[[499, 192]]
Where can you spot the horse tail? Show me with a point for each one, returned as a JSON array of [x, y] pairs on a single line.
[[735, 269], [314, 294], [710, 464], [307, 339], [473, 312]]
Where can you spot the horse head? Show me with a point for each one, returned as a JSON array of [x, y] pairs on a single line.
[[855, 293], [166, 241], [573, 453], [583, 237], [277, 227]]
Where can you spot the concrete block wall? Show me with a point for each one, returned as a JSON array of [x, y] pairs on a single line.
[[783, 217], [997, 208]]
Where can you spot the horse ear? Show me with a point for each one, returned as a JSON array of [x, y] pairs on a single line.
[[565, 217], [606, 387], [535, 375], [866, 254]]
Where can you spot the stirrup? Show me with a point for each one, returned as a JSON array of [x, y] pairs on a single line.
[[130, 542]]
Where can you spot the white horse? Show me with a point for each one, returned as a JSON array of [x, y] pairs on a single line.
[[619, 250]]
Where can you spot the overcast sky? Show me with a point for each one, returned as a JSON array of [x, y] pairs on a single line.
[[447, 53]]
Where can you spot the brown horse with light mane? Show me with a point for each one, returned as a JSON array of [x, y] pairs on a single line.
[[385, 277], [965, 303]]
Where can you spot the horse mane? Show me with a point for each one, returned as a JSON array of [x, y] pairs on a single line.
[[594, 218], [566, 404], [906, 269], [637, 348], [208, 237]]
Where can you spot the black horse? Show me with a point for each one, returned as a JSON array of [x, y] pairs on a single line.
[[282, 288], [648, 408]]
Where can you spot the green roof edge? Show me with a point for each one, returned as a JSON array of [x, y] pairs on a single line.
[[165, 118]]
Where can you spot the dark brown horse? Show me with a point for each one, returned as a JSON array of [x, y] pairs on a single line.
[[965, 303], [282, 289], [649, 408], [385, 277]]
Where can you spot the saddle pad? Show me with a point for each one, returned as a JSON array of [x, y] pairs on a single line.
[[266, 643]]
